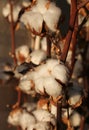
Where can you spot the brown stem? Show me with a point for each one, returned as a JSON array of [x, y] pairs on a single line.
[[82, 4], [12, 34], [82, 123], [59, 118], [48, 47], [74, 42], [73, 13]]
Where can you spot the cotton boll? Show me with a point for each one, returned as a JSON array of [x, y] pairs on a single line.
[[52, 87], [26, 119], [61, 73], [29, 106], [73, 100], [51, 17], [40, 126], [41, 6], [75, 119], [33, 20], [14, 117], [39, 85], [38, 56], [42, 71], [22, 53], [6, 10], [51, 63], [75, 94], [26, 86], [45, 116]]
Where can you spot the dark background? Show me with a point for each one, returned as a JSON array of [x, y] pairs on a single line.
[[8, 95]]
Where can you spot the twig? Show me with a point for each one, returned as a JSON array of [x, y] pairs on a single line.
[[12, 34], [59, 113], [48, 47], [73, 13], [74, 42]]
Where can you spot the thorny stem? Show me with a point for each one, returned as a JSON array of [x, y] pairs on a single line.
[[73, 13], [12, 34]]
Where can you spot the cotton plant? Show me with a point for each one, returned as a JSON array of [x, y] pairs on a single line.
[[42, 76]]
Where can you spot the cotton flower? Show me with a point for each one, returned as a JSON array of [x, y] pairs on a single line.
[[40, 126], [61, 73], [45, 11], [75, 119], [38, 56], [22, 54], [14, 117], [26, 119], [45, 116]]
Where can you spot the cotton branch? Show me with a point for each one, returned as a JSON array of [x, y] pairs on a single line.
[[12, 34], [73, 12]]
